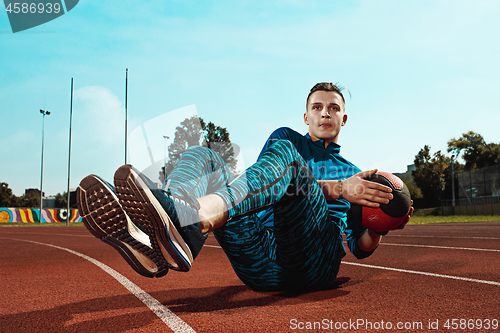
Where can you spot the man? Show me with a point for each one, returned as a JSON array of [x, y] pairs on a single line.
[[280, 222]]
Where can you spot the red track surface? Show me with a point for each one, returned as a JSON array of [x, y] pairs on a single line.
[[47, 289]]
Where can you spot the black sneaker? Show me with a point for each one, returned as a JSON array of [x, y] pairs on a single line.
[[173, 220], [104, 217]]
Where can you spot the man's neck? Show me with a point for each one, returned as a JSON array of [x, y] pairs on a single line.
[[327, 142]]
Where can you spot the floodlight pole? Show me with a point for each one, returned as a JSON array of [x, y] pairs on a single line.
[[68, 214], [452, 183], [165, 137], [44, 113], [126, 111]]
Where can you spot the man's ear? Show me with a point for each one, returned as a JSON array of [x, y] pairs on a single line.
[[344, 119], [306, 121]]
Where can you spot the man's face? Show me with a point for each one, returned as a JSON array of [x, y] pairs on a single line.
[[325, 116]]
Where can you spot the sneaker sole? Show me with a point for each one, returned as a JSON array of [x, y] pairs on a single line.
[[104, 217], [145, 210]]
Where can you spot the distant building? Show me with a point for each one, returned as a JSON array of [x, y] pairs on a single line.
[[407, 176], [49, 202], [32, 190]]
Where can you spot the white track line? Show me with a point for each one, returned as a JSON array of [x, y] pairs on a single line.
[[215, 246], [423, 273], [443, 247], [413, 272], [438, 247], [52, 234], [452, 237], [168, 317]]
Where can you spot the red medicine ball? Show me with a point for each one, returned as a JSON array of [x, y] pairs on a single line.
[[387, 216]]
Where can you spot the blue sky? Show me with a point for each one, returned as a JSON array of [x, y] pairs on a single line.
[[419, 72]]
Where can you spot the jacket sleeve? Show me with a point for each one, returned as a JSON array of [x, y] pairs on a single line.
[[353, 232]]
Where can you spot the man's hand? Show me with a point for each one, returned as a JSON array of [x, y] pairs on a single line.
[[364, 192], [410, 213], [370, 239]]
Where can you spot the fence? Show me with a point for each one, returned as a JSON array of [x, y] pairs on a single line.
[[474, 209], [32, 215], [472, 206], [471, 201], [478, 193], [482, 182]]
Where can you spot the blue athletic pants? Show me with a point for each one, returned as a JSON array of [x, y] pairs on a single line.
[[301, 251]]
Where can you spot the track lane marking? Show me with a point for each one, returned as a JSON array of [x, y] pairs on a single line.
[[442, 247], [343, 262], [438, 247], [422, 273], [410, 236], [52, 234], [451, 237], [175, 323], [214, 246], [410, 271]]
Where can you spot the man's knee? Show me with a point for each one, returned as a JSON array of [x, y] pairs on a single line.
[[284, 145], [198, 152], [197, 149]]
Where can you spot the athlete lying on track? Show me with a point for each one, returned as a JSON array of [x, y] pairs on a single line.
[[280, 222]]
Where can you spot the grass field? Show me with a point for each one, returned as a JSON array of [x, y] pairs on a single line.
[[454, 219]]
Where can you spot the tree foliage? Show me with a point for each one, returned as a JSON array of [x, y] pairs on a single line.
[[476, 153], [432, 174], [195, 131], [30, 200], [415, 192], [7, 198], [429, 175], [61, 200]]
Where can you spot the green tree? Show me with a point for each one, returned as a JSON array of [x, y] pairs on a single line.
[[429, 175], [217, 139], [195, 131], [31, 200], [415, 192], [7, 198], [61, 200], [476, 153]]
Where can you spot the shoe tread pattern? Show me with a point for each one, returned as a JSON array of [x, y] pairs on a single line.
[[105, 219], [139, 208]]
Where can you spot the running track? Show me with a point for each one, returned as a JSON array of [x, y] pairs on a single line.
[[61, 279]]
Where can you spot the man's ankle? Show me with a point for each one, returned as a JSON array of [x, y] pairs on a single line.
[[205, 227]]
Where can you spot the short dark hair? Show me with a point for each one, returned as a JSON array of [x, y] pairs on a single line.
[[325, 86]]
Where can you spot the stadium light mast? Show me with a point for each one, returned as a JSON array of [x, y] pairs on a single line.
[[68, 214], [44, 113], [165, 137], [126, 111], [452, 183]]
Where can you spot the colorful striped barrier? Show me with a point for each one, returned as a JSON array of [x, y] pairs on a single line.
[[32, 215]]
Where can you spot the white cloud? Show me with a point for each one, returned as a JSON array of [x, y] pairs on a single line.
[[102, 114], [147, 146], [98, 132]]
